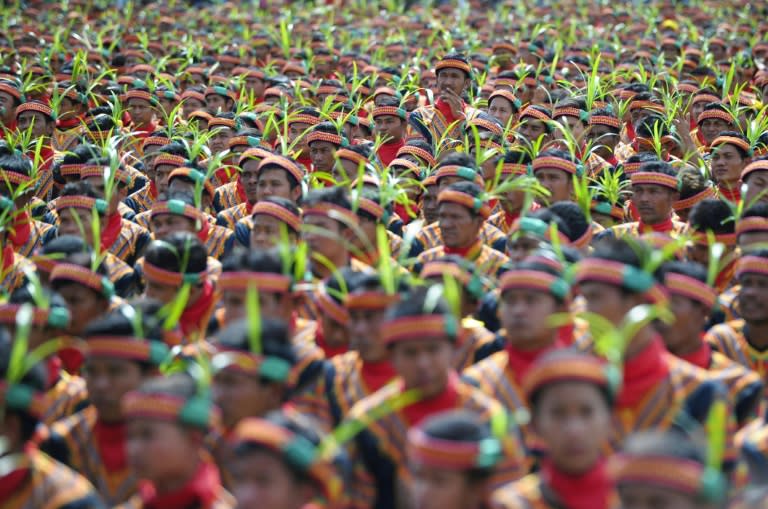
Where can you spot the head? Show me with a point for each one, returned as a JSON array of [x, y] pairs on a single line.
[[178, 214], [436, 484], [730, 155], [531, 292], [36, 117], [389, 120], [461, 214], [85, 301], [710, 216], [752, 228], [570, 413], [755, 179], [142, 111], [603, 132], [279, 177], [273, 219], [573, 118], [694, 186], [504, 106], [535, 124], [334, 317], [324, 234], [366, 317], [422, 355], [554, 169], [324, 140], [713, 120], [654, 191], [180, 253], [251, 388], [753, 305], [691, 309], [453, 74]]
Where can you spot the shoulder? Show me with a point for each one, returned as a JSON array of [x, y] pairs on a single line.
[[60, 487], [522, 494], [366, 405]]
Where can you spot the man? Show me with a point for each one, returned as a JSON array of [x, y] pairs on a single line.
[[743, 340], [40, 120], [92, 442], [555, 169], [654, 193], [512, 203], [390, 121], [755, 178], [656, 385], [300, 122], [168, 158], [232, 194], [604, 133], [444, 118], [10, 99], [323, 141], [218, 99], [72, 109], [461, 215], [420, 340], [691, 300]]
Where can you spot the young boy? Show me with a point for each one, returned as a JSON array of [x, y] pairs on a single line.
[[167, 419], [451, 456], [30, 478], [570, 396], [391, 123], [92, 442]]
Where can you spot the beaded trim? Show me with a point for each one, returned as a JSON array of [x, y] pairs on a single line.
[[293, 221], [417, 152], [284, 163], [576, 367], [162, 407], [411, 328], [715, 114], [731, 140], [330, 210], [262, 281], [674, 473], [557, 163], [752, 167], [452, 170], [36, 107], [640, 178], [334, 139], [605, 120], [370, 300], [78, 274], [466, 200], [451, 63], [328, 305], [689, 202], [371, 207], [690, 288]]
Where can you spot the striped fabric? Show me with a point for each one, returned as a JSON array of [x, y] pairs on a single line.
[[744, 386], [68, 396], [14, 277], [229, 217], [40, 233], [226, 197], [141, 200], [430, 237], [728, 339], [130, 243], [219, 242], [51, 485], [487, 261], [72, 442], [430, 124], [474, 337], [633, 229]]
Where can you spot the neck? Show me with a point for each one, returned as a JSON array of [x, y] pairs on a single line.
[[685, 347]]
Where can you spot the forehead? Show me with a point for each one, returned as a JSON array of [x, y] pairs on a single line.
[[266, 220], [453, 209]]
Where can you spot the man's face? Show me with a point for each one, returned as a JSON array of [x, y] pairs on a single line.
[[249, 178], [654, 203], [321, 153], [532, 129], [256, 86], [323, 235], [215, 103], [423, 364], [297, 131], [557, 182], [604, 139], [69, 109], [191, 105], [84, 306], [639, 496], [524, 315], [458, 227], [451, 79], [390, 128], [239, 396], [219, 140], [753, 298], [501, 109], [757, 188], [727, 164], [443, 488], [690, 319], [141, 112], [266, 232], [274, 182], [365, 334], [108, 380], [165, 224], [38, 123], [76, 222], [607, 301], [711, 128], [262, 479], [573, 125], [7, 108]]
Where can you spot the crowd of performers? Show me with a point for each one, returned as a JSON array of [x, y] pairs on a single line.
[[384, 256]]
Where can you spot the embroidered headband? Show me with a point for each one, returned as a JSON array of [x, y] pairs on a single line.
[[463, 172], [81, 275], [195, 176], [168, 160], [409, 328], [197, 411], [268, 282], [15, 178], [57, 317], [379, 111], [538, 280], [605, 120], [333, 139], [221, 122], [715, 114], [751, 224], [349, 155], [751, 265], [677, 474], [621, 275], [284, 164], [371, 207], [129, 348], [419, 152], [297, 451], [753, 167], [37, 107], [176, 208], [251, 364], [731, 140], [170, 278], [258, 153], [689, 202], [332, 211], [534, 113], [690, 288], [566, 367], [371, 300], [155, 141], [453, 63], [473, 203], [438, 269], [506, 94], [293, 221], [647, 178], [303, 118], [138, 94], [452, 454], [328, 305], [556, 163]]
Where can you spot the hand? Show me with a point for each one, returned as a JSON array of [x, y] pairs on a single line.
[[454, 101]]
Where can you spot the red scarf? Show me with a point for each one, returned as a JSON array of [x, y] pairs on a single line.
[[446, 400], [612, 160], [377, 374], [144, 131], [305, 161], [152, 190], [47, 156], [110, 441], [590, 490], [8, 258], [205, 231], [225, 174], [630, 130], [54, 371], [328, 350], [11, 483], [405, 211], [72, 359], [111, 231], [520, 361], [201, 491], [470, 252], [65, 125], [195, 315], [19, 234], [642, 373], [732, 194], [662, 227], [701, 357], [388, 151], [241, 196], [445, 108]]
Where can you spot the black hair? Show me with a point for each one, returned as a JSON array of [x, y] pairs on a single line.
[[759, 209], [336, 282], [550, 217], [460, 426], [517, 156], [82, 259], [25, 295], [374, 196], [452, 56], [79, 188], [66, 245], [658, 166], [14, 161], [101, 123], [469, 188], [642, 157], [389, 101], [560, 154], [626, 251], [573, 217], [712, 214], [566, 353], [35, 378], [647, 125], [573, 102], [419, 302], [420, 143], [284, 203], [326, 127], [175, 148], [169, 253], [373, 283], [333, 195], [691, 269], [670, 444], [121, 323]]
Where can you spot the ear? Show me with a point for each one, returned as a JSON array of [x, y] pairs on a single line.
[[296, 193]]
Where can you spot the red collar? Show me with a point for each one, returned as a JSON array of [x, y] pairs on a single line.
[[72, 359], [111, 231], [388, 151], [470, 252], [196, 314], [225, 174], [520, 361], [590, 490], [205, 231], [702, 357], [444, 108], [406, 213], [54, 371], [8, 259], [732, 194], [612, 160], [152, 190], [146, 130], [110, 440], [446, 400], [11, 483], [201, 491], [631, 136], [377, 374], [642, 373], [328, 350], [47, 155], [662, 227], [19, 234], [67, 124], [241, 196], [305, 161]]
